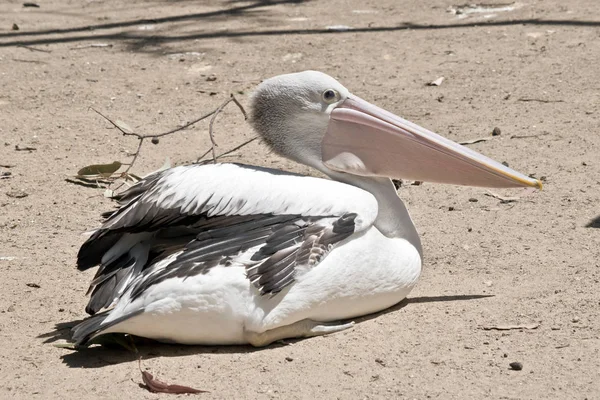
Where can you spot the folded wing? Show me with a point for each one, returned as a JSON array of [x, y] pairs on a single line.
[[186, 220]]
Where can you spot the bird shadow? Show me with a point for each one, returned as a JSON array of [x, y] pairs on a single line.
[[110, 353]]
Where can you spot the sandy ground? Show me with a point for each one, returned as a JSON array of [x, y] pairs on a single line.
[[531, 71]]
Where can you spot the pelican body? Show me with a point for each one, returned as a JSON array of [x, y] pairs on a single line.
[[235, 254]]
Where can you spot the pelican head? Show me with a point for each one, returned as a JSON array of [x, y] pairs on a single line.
[[311, 118]]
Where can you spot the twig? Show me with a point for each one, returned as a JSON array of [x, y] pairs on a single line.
[[35, 49], [502, 199], [540, 100], [213, 113], [511, 327], [529, 136], [28, 61], [236, 148], [87, 46], [210, 129], [472, 141], [26, 148]]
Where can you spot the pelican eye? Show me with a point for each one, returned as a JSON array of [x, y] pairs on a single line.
[[330, 96]]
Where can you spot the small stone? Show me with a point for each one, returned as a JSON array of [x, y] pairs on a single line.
[[496, 131], [505, 163], [450, 208], [575, 320], [380, 362], [469, 229], [15, 27], [211, 78], [33, 285], [517, 366], [155, 140], [289, 359], [505, 355], [61, 310], [17, 194], [473, 200], [486, 342]]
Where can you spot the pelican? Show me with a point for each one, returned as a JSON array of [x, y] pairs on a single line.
[[227, 254]]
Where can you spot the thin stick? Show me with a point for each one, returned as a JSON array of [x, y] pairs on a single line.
[[213, 113], [236, 148], [210, 129], [540, 100], [31, 48]]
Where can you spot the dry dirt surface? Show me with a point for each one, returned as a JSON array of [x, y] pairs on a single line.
[[531, 266]]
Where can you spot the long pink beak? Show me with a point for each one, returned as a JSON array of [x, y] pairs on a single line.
[[363, 139]]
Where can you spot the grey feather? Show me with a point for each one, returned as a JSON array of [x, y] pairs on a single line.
[[282, 242]]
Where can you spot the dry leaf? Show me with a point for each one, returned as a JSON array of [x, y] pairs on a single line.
[[437, 82], [123, 126], [156, 386], [511, 327], [102, 170]]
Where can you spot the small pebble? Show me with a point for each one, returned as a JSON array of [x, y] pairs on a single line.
[[575, 320], [289, 359], [473, 200], [517, 366], [17, 194], [154, 140], [450, 208], [505, 163], [380, 362], [496, 131]]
